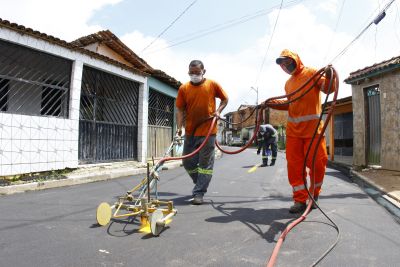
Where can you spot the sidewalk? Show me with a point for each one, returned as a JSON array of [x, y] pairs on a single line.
[[386, 182], [91, 173], [87, 174]]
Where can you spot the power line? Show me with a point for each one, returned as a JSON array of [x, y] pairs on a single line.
[[269, 44], [335, 30], [222, 26], [376, 20], [170, 25], [397, 19]]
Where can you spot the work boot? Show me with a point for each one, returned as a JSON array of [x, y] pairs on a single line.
[[264, 164], [197, 200], [313, 205], [272, 162], [298, 207]]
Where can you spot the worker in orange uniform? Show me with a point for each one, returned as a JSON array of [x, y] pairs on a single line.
[[303, 118], [195, 104]]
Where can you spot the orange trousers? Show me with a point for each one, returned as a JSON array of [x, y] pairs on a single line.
[[296, 149]]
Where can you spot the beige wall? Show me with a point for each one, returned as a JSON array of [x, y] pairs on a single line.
[[278, 117], [108, 52], [389, 85]]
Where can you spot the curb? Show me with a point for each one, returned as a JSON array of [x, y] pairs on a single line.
[[377, 187], [83, 178], [76, 179], [365, 183]]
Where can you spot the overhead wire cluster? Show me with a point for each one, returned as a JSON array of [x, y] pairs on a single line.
[[375, 21], [222, 26], [170, 25]]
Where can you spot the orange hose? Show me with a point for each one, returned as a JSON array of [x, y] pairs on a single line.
[[279, 243]]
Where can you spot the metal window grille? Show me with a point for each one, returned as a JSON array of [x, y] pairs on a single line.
[[33, 82], [108, 98], [161, 109], [4, 89], [108, 117]]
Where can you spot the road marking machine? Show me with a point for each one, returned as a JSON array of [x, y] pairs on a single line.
[[154, 213]]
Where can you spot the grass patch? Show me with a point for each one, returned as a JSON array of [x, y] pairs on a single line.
[[34, 177]]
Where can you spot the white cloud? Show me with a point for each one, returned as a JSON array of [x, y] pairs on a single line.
[[300, 28], [67, 20], [330, 6], [297, 30]]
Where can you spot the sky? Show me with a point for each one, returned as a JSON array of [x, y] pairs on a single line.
[[237, 40]]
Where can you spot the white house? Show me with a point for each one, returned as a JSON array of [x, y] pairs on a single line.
[[50, 89]]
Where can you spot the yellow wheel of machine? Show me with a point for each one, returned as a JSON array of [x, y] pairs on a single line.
[[103, 214], [155, 226]]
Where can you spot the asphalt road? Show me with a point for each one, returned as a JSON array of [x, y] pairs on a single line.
[[238, 225]]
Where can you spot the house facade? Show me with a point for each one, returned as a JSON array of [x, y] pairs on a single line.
[[245, 114], [62, 105], [339, 133], [376, 114], [161, 90]]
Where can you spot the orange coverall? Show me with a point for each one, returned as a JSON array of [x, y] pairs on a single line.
[[303, 115]]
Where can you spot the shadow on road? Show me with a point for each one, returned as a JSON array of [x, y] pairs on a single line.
[[122, 228], [254, 219]]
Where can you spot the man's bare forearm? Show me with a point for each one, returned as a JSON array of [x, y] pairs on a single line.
[[180, 115], [222, 105]]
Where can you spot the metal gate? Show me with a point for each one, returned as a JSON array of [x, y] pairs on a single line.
[[108, 117], [373, 125], [161, 121]]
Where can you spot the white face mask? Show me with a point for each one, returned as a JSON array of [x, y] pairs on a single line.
[[196, 78]]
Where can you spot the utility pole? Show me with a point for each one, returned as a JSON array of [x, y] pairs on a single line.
[[255, 90]]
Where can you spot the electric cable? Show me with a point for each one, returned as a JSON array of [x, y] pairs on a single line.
[[376, 21], [312, 201], [318, 74], [243, 120], [169, 26], [269, 44], [267, 102], [221, 26], [335, 30]]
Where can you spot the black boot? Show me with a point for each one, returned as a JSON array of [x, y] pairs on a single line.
[[298, 207], [264, 164], [272, 162]]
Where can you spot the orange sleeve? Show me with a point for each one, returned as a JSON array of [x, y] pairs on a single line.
[[180, 99], [219, 92], [281, 106], [323, 85]]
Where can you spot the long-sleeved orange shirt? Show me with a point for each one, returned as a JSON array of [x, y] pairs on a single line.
[[303, 114]]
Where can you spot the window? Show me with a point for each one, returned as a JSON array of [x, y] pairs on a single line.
[[373, 90], [4, 90], [36, 83], [52, 100]]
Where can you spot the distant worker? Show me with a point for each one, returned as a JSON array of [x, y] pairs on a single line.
[[303, 116], [195, 104], [267, 143]]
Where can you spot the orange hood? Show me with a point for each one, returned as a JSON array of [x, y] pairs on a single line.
[[295, 57]]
